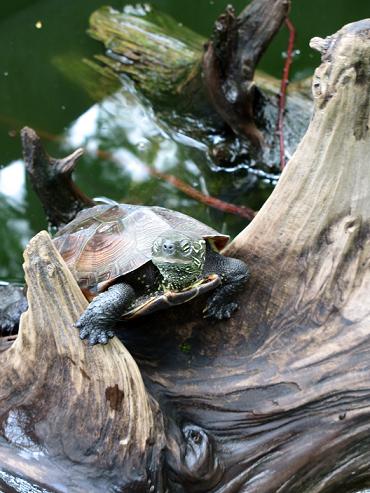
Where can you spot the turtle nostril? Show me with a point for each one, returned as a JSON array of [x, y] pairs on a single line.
[[168, 247]]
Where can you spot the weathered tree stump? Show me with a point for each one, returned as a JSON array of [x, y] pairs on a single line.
[[66, 403], [275, 400]]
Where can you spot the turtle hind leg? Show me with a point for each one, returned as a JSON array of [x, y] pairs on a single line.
[[234, 273], [101, 316]]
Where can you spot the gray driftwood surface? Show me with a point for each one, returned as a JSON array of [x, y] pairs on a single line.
[[275, 400]]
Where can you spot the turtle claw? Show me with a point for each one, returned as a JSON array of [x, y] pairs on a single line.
[[93, 338], [219, 312], [84, 332], [103, 339], [95, 335], [99, 336], [103, 336]]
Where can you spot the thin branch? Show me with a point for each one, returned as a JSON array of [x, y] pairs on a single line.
[[239, 210], [283, 88]]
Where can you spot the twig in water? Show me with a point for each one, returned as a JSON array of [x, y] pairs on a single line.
[[283, 88], [239, 210]]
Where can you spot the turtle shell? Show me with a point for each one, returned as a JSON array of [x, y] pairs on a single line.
[[145, 305], [108, 241]]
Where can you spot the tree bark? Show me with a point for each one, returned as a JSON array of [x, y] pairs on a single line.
[[275, 400]]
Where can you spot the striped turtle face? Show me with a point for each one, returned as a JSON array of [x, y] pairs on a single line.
[[179, 258]]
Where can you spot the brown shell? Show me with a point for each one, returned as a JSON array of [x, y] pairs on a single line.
[[108, 241]]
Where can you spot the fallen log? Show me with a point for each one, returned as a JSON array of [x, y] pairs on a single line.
[[277, 398], [205, 88]]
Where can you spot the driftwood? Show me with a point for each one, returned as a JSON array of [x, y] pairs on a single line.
[[208, 87], [231, 58], [275, 400], [51, 180], [59, 396]]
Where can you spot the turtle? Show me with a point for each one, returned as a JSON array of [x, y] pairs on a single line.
[[132, 260]]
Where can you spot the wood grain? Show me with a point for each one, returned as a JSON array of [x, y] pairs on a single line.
[[85, 404], [277, 399]]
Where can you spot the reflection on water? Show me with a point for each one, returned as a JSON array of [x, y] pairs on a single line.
[[12, 180], [20, 485], [125, 144], [14, 228], [132, 144]]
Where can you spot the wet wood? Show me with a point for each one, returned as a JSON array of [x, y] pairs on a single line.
[[51, 179], [231, 58], [282, 390], [166, 60], [277, 398], [12, 304], [6, 342], [213, 84]]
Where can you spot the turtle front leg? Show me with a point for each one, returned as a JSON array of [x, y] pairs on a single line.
[[234, 273], [103, 313]]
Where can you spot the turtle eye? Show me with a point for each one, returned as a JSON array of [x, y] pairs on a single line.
[[185, 247]]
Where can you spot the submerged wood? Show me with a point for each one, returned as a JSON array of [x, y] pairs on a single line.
[[277, 398], [12, 304], [213, 84]]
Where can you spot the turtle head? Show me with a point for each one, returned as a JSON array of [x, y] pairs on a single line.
[[179, 257]]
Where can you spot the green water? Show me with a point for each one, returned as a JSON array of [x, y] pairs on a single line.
[[45, 84]]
